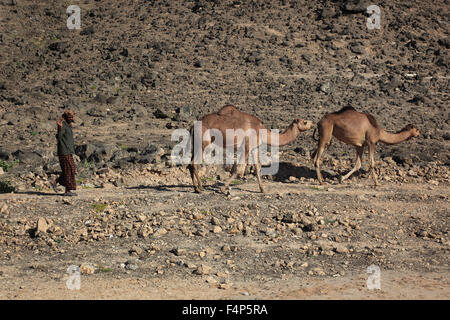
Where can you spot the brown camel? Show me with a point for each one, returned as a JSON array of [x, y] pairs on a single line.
[[357, 129], [229, 117]]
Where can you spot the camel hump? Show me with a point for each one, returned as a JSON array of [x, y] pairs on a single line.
[[347, 108], [228, 110]]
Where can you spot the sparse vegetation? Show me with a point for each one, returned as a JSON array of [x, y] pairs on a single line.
[[6, 166], [6, 187], [103, 269], [88, 164], [99, 207]]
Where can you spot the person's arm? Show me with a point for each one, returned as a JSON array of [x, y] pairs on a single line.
[[60, 128]]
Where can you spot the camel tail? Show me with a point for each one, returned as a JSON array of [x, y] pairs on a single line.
[[314, 134]]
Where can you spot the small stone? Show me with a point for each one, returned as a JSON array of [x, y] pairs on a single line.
[[3, 208], [318, 271], [41, 226], [203, 270], [131, 264], [141, 218], [87, 268], [211, 280], [135, 249], [224, 286], [160, 232], [178, 251], [217, 229], [233, 230], [215, 221], [197, 216], [341, 248]]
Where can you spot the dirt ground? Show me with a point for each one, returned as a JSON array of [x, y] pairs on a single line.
[[300, 251]]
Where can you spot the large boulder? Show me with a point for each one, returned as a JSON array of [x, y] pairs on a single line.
[[27, 157], [98, 152], [151, 154], [5, 154], [356, 6]]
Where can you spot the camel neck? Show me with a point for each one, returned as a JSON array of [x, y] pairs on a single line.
[[284, 138], [394, 138]]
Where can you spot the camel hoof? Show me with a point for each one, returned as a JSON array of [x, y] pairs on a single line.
[[262, 190], [198, 190]]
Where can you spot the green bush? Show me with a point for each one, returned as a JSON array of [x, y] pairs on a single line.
[[6, 166], [6, 187], [99, 207]]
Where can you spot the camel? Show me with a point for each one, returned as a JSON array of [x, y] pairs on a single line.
[[359, 130], [229, 117]]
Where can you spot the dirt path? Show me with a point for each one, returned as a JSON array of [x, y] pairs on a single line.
[[298, 241], [394, 285]]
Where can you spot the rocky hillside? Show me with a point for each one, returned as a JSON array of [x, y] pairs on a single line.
[[138, 69]]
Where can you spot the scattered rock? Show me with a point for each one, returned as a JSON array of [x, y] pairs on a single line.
[[41, 226], [203, 270], [87, 268]]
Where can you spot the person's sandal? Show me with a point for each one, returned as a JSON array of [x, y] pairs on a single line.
[[70, 194]]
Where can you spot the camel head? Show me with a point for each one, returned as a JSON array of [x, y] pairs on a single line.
[[412, 129], [302, 125]]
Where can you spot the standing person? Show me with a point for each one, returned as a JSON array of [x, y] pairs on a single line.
[[66, 149]]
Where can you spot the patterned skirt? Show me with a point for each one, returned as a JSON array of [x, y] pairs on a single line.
[[67, 177]]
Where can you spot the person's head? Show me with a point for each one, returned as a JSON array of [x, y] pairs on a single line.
[[68, 115]]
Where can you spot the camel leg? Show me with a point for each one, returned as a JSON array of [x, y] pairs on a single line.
[[325, 133], [318, 153], [228, 182], [199, 182], [372, 163], [191, 171], [239, 168], [258, 168], [242, 157], [205, 144], [359, 153], [194, 168]]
